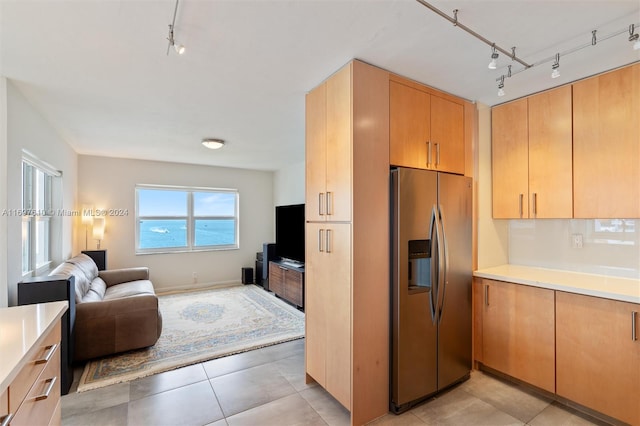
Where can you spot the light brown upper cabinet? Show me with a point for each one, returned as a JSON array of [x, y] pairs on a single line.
[[426, 130], [328, 149], [606, 145], [531, 151]]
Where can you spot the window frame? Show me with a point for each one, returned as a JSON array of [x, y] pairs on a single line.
[[190, 219], [33, 214]]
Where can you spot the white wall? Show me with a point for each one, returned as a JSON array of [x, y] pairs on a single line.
[[4, 291], [28, 130], [109, 183], [548, 244], [288, 185]]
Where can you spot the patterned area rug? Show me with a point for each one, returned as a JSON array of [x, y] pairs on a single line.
[[200, 326]]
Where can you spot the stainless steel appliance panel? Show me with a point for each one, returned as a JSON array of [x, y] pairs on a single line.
[[454, 343], [414, 357]]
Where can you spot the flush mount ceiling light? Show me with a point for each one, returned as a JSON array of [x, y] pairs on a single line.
[[179, 48], [213, 143]]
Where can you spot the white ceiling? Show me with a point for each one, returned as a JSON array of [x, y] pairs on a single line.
[[98, 69]]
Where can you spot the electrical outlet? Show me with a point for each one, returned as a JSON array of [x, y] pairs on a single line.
[[195, 277], [576, 241]]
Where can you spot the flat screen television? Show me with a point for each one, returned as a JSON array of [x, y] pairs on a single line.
[[290, 232]]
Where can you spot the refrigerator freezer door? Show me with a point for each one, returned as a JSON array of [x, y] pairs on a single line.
[[454, 345], [414, 341]]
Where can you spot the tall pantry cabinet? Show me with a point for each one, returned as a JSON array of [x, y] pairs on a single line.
[[347, 239]]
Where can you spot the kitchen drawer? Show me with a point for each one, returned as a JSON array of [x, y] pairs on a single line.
[[41, 403], [37, 362]]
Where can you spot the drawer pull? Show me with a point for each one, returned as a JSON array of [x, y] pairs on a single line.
[[6, 419], [634, 333], [47, 391], [50, 350]]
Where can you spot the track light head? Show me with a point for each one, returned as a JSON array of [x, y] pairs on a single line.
[[634, 37], [501, 86], [555, 73], [494, 57]]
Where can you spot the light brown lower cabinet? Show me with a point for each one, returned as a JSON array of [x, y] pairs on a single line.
[[518, 332], [34, 395], [598, 354]]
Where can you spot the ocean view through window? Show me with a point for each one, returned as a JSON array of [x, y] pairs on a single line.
[[175, 219]]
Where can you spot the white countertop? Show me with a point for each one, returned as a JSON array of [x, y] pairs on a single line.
[[616, 288], [21, 327]]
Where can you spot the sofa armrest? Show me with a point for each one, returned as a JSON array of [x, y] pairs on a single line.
[[119, 276], [116, 325]]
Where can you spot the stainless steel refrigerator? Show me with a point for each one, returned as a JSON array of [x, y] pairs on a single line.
[[431, 283]]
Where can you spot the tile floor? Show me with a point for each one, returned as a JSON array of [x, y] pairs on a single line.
[[266, 387]]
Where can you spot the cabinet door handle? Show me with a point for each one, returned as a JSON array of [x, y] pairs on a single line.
[[320, 238], [47, 391], [6, 420], [328, 246], [521, 204], [535, 204], [50, 350], [321, 203], [329, 203], [437, 154], [634, 320], [428, 153], [486, 295]]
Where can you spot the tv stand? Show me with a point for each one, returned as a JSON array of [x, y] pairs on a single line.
[[287, 282]]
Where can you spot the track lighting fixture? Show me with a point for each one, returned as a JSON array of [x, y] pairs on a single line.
[[501, 86], [555, 73], [179, 48], [494, 57], [634, 37], [595, 40]]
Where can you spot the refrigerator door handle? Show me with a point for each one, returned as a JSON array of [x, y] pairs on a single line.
[[445, 264], [434, 269]]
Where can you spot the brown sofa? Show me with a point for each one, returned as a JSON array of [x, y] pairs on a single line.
[[116, 310]]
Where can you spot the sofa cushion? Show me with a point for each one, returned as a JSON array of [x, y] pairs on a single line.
[[132, 288], [82, 284], [86, 265], [96, 291]]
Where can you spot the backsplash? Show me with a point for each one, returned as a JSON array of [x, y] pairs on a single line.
[[609, 246]]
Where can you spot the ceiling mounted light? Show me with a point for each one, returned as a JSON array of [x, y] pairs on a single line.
[[494, 57], [179, 48], [634, 37], [501, 86], [556, 67], [213, 143]]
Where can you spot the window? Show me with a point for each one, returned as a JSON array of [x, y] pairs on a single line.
[[37, 213], [174, 219]]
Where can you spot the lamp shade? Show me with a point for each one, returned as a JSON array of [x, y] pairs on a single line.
[[98, 228], [87, 214]]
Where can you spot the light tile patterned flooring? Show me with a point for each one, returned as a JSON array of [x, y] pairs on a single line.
[[266, 387]]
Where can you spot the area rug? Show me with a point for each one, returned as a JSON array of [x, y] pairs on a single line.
[[200, 326]]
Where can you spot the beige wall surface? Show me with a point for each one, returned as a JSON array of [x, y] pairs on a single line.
[[28, 130], [493, 235], [288, 185], [109, 183], [4, 292]]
